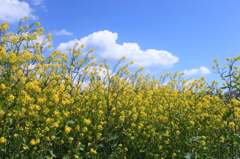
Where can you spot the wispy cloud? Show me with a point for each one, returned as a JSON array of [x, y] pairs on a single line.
[[61, 32], [13, 10], [201, 71], [105, 46], [40, 2], [37, 2]]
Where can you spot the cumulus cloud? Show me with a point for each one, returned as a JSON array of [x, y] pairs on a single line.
[[62, 32], [201, 71], [105, 46], [14, 10]]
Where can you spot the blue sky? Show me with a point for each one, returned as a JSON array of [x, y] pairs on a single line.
[[160, 35]]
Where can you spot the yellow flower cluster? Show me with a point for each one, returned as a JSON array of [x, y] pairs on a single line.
[[2, 140], [78, 108]]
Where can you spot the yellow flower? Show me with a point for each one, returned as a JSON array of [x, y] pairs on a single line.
[[99, 135], [71, 139], [123, 58], [191, 122], [215, 60], [174, 155], [38, 141], [228, 59], [122, 118], [49, 46], [85, 129], [33, 142], [72, 67], [82, 46], [14, 40], [2, 86], [100, 127], [48, 138], [53, 137], [26, 17], [38, 23], [160, 147], [49, 35], [3, 140], [203, 142], [222, 138], [76, 156], [141, 68], [25, 147], [67, 129], [231, 124], [93, 151], [87, 121]]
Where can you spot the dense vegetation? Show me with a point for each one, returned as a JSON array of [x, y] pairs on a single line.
[[60, 107]]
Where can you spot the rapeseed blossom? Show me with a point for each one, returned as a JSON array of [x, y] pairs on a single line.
[[74, 106], [2, 140]]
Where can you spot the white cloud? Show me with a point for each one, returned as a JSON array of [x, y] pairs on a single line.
[[14, 10], [105, 46], [37, 2], [44, 8], [201, 71], [62, 32]]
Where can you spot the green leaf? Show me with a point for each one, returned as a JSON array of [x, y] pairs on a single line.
[[65, 157], [52, 154], [81, 148], [216, 112], [113, 138], [115, 144], [24, 140], [10, 121], [195, 138], [237, 87], [70, 122], [227, 114], [223, 87], [101, 145], [188, 156], [113, 155]]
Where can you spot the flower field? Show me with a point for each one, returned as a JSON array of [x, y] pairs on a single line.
[[60, 107]]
